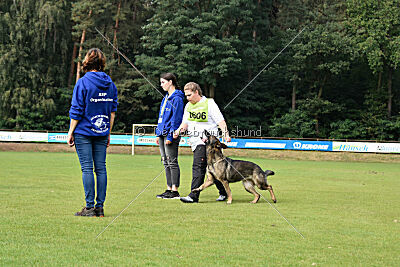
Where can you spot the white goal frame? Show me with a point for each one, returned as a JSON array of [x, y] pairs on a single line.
[[134, 126]]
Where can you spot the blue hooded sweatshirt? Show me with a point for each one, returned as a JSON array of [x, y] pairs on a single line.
[[94, 98], [172, 116]]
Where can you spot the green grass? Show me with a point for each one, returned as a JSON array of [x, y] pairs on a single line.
[[346, 211]]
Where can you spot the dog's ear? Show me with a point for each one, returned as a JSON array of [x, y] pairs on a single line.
[[224, 146], [206, 133]]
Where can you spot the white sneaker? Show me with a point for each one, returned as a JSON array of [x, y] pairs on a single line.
[[188, 199], [221, 198]]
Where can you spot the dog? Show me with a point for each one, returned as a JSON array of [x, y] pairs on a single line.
[[227, 171]]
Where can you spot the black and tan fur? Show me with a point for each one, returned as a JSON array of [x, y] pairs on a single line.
[[227, 171]]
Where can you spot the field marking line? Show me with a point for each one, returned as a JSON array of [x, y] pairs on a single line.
[[130, 203], [264, 68], [127, 59], [268, 202]]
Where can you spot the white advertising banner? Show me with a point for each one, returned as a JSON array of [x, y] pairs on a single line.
[[362, 147], [366, 147], [23, 137]]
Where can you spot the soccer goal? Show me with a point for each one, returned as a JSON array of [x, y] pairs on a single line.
[[142, 130]]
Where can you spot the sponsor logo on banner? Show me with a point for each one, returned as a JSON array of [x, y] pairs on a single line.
[[4, 136], [146, 140], [388, 148], [297, 145], [23, 137], [121, 139], [231, 144], [354, 147], [265, 145], [310, 146], [58, 137]]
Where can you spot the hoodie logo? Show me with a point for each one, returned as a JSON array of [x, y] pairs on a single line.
[[99, 123]]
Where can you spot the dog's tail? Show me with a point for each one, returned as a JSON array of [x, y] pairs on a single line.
[[268, 172]]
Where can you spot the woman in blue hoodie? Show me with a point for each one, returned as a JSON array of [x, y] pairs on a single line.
[[169, 119], [92, 113]]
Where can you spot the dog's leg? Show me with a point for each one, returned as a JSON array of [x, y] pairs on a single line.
[[209, 181], [249, 186], [271, 192], [228, 190]]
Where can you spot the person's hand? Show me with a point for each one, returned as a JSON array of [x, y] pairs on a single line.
[[70, 140], [108, 140], [228, 138], [176, 133], [157, 140], [168, 142]]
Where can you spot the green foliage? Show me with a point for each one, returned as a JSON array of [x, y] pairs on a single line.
[[33, 62], [310, 120], [296, 124], [376, 28]]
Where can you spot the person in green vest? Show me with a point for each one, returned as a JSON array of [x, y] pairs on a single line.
[[200, 114]]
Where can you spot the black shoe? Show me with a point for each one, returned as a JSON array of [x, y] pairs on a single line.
[[172, 195], [188, 199], [88, 212], [99, 211], [163, 194]]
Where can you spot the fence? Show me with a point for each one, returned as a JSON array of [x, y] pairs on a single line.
[[140, 139]]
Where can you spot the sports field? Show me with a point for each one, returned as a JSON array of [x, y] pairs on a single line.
[[349, 214]]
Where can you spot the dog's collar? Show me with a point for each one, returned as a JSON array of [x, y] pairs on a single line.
[[221, 159]]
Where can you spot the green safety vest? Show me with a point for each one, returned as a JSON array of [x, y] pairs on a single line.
[[198, 112]]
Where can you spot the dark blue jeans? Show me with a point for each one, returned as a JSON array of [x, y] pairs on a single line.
[[91, 151]]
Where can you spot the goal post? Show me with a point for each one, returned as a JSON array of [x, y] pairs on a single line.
[[142, 130]]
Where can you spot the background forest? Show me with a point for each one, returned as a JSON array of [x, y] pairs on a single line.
[[338, 79]]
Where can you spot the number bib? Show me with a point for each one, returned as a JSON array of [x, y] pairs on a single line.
[[198, 112]]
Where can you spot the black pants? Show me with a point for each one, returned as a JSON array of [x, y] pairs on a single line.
[[199, 171]]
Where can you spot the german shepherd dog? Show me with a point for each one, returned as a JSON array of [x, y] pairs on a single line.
[[227, 171]]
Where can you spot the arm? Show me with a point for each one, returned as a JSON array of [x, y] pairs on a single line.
[[225, 132], [176, 118], [112, 117], [112, 114], [183, 127], [72, 126], [218, 117]]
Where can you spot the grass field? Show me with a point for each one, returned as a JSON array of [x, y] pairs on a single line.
[[349, 214]]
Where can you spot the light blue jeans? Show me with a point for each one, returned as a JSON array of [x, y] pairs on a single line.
[[91, 151]]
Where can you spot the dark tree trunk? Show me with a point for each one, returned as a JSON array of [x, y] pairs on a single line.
[[379, 80], [294, 95], [72, 66], [78, 68], [116, 30], [211, 91], [390, 96]]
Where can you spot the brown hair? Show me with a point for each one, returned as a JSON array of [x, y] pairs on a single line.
[[94, 60], [170, 77], [192, 86]]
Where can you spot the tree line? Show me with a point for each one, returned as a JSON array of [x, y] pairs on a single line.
[[333, 72]]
